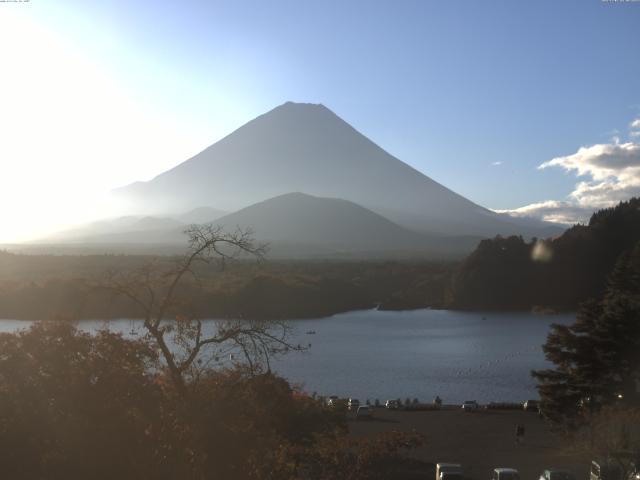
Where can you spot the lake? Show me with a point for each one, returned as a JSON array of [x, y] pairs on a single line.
[[373, 354]]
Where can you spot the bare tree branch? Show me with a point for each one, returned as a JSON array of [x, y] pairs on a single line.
[[178, 332]]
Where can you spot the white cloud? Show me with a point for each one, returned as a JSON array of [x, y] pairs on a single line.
[[613, 171], [600, 161], [553, 211], [496, 164], [635, 124]]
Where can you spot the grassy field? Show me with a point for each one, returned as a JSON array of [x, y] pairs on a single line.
[[480, 441]]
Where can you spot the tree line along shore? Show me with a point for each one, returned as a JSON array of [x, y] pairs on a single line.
[[36, 287]]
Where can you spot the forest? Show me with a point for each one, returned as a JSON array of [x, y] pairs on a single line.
[[69, 286], [556, 274]]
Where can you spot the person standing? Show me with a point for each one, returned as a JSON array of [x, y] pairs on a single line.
[[519, 434]]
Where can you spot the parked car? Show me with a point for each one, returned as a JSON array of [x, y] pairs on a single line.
[[451, 476], [337, 403], [556, 474], [364, 412], [503, 473], [531, 406], [604, 471], [332, 399], [470, 405], [449, 471], [392, 404], [353, 404]]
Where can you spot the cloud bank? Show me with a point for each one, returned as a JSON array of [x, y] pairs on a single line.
[[613, 171], [556, 211]]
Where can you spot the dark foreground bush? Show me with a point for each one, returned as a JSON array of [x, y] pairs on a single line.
[[73, 405], [79, 406]]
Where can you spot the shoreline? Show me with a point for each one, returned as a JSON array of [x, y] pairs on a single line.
[[483, 313]]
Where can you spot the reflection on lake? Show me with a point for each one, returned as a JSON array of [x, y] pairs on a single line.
[[420, 353]]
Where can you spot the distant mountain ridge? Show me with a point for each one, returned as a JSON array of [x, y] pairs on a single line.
[[307, 148], [200, 215], [294, 225], [136, 228]]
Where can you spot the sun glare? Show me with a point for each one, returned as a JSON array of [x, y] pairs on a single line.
[[70, 132]]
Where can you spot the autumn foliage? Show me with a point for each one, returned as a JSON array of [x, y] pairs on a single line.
[[78, 406]]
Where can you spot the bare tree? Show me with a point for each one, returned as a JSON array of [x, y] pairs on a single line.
[[188, 346]]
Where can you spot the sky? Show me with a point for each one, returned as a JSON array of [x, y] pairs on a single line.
[[531, 108]]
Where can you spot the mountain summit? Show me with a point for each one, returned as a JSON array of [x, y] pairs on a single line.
[[300, 147]]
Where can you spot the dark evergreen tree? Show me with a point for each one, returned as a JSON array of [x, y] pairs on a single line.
[[494, 275], [597, 359]]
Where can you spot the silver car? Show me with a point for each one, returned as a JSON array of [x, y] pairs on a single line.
[[556, 474], [364, 413], [470, 405], [505, 474]]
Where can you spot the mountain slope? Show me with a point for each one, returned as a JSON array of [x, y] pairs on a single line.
[[200, 215], [307, 148], [115, 228], [136, 229], [308, 225], [300, 218]]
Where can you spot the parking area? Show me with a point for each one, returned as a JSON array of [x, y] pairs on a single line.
[[480, 441]]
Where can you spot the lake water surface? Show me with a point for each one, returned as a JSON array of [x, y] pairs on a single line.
[[420, 353]]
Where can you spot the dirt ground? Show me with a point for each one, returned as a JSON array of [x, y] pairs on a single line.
[[480, 441]]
